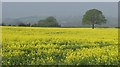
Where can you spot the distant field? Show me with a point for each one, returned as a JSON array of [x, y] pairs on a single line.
[[59, 46]]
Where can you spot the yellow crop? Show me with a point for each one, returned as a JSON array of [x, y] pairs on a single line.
[[59, 46]]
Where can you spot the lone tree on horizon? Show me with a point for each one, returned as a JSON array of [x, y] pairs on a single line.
[[93, 17]]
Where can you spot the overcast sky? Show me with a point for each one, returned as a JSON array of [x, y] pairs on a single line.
[[24, 9]]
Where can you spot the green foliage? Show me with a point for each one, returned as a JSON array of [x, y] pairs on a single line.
[[51, 19], [48, 22], [93, 16]]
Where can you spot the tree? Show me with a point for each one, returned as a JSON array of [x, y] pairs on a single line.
[[51, 19], [48, 22], [93, 17]]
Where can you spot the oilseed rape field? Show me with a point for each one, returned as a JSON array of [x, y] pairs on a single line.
[[59, 46]]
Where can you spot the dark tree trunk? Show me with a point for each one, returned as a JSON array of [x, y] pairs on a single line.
[[93, 26]]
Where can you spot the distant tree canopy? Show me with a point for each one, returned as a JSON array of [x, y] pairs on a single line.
[[93, 16], [48, 22]]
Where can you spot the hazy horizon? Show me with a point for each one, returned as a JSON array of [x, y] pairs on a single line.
[[66, 13]]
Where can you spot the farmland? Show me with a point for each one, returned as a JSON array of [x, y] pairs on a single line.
[[59, 46]]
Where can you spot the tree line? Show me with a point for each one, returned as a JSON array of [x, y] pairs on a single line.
[[48, 22]]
